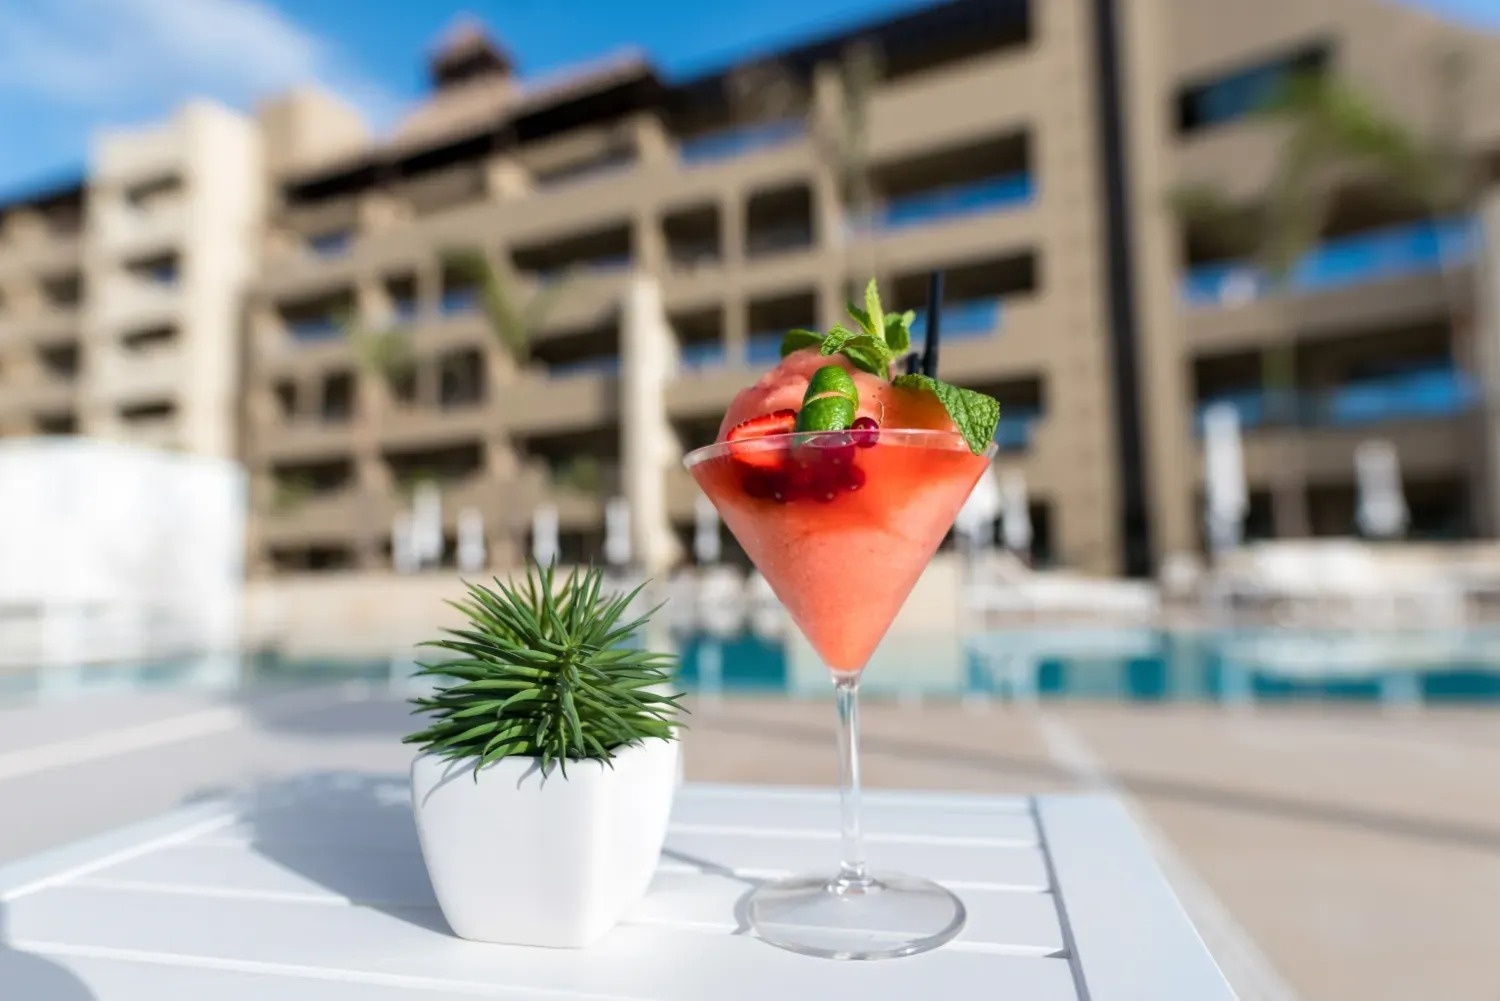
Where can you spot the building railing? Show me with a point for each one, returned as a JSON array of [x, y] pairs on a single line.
[[598, 365], [1016, 427], [1394, 252], [314, 328], [970, 318], [701, 355], [739, 140], [334, 244], [955, 201], [458, 301], [1422, 393]]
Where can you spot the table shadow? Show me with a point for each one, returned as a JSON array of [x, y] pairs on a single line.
[[352, 834], [26, 976]]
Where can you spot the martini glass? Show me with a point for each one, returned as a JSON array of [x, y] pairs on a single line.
[[841, 525]]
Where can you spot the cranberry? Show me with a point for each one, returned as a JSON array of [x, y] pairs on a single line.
[[759, 485], [865, 431], [854, 478]]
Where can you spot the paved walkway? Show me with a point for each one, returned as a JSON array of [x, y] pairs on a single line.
[[1327, 854]]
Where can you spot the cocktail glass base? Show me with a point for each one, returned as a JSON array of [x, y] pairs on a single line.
[[881, 916]]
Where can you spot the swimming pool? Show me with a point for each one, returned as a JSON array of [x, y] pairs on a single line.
[[1134, 665]]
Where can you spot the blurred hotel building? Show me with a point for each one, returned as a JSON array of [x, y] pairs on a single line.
[[1026, 148], [120, 301]]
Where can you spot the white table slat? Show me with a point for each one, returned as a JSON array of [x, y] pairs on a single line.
[[633, 961], [315, 889], [1104, 889]]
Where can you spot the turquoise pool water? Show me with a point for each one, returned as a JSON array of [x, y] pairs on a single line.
[[1132, 665]]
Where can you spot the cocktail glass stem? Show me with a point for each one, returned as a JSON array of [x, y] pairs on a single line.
[[852, 874]]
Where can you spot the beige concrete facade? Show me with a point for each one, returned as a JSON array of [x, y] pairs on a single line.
[[122, 296], [604, 175]]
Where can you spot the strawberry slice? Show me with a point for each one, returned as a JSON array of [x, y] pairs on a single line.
[[760, 457]]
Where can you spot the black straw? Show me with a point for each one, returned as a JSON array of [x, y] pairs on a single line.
[[934, 324]]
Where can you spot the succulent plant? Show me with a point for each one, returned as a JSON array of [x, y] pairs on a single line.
[[545, 671]]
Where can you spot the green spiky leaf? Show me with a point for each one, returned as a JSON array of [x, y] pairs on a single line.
[[549, 670]]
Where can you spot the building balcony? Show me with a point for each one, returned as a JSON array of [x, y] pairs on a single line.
[[126, 301], [125, 231], [957, 201], [739, 141], [1424, 394], [702, 356], [47, 324], [301, 439], [974, 318], [147, 375], [537, 402], [340, 513], [1383, 255]]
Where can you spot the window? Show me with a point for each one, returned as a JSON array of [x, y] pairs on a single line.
[[150, 340], [60, 361], [1246, 90], [338, 398], [148, 413]]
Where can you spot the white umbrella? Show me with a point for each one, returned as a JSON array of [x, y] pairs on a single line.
[[1015, 530], [471, 539], [544, 543], [427, 523], [1227, 498], [617, 550], [1381, 512], [976, 519], [403, 552], [707, 546]]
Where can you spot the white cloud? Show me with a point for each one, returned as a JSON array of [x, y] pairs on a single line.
[[126, 56]]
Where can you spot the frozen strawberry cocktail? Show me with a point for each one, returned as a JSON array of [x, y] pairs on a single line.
[[840, 482]]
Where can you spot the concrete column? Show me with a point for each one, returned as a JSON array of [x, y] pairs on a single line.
[[736, 327], [1486, 350], [1157, 258], [647, 444], [732, 230]]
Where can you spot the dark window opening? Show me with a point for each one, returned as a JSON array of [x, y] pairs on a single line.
[[461, 379], [312, 478], [317, 559], [605, 249], [338, 398], [148, 413], [700, 337], [693, 236], [321, 318], [63, 291], [587, 462], [402, 292], [436, 465], [60, 361], [150, 340], [159, 269], [57, 424], [957, 182], [975, 295], [1023, 406], [779, 220], [286, 399], [770, 318], [590, 350], [148, 194], [1245, 90]]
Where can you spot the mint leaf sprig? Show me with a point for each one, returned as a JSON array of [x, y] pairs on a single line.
[[882, 338]]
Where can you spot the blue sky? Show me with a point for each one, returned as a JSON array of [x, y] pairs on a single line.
[[71, 67]]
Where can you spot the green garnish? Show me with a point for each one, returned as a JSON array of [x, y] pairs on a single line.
[[976, 415], [831, 401], [882, 338], [831, 379]]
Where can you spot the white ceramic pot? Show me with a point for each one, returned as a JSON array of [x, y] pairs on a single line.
[[526, 860]]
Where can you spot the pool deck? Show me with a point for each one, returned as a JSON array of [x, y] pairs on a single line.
[[1326, 852]]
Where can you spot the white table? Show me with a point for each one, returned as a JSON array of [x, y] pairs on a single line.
[[314, 890]]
